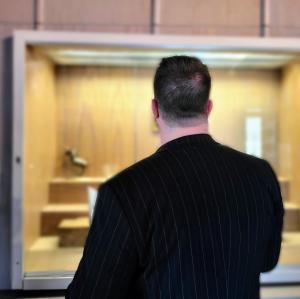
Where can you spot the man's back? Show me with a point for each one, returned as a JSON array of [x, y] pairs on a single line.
[[194, 220]]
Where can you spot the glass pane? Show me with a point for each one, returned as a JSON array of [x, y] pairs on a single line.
[[83, 125], [88, 116]]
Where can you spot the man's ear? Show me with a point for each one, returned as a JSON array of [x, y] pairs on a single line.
[[208, 107], [154, 106]]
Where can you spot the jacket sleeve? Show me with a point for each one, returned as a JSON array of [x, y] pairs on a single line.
[[277, 213], [109, 260]]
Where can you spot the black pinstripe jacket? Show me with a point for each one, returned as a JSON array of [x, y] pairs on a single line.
[[196, 219]]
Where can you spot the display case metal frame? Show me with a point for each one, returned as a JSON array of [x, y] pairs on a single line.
[[21, 39]]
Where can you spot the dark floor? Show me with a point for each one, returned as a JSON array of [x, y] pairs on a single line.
[[267, 292], [32, 294]]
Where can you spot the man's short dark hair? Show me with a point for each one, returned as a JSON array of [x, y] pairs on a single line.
[[181, 87]]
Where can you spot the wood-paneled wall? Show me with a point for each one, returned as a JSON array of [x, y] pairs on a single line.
[[39, 140], [96, 117], [289, 129], [104, 112], [237, 94]]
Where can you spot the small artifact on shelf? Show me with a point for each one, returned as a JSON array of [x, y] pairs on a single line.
[[291, 217], [76, 160], [73, 232]]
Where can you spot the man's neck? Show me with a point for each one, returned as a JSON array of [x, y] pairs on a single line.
[[167, 134]]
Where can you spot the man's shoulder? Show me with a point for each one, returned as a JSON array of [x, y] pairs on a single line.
[[241, 155], [140, 170], [248, 161]]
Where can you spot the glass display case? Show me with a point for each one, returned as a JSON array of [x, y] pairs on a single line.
[[82, 113]]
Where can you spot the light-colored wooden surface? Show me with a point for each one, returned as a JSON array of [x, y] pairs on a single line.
[[73, 232], [290, 249], [212, 17], [104, 112], [291, 217], [284, 184], [81, 222], [39, 140], [77, 180], [72, 190], [53, 214], [282, 18], [96, 15], [289, 129], [237, 94], [45, 255], [96, 116], [147, 139], [63, 208]]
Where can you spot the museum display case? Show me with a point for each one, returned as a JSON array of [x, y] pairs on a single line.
[[82, 113]]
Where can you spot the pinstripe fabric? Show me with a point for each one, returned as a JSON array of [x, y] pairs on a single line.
[[196, 219]]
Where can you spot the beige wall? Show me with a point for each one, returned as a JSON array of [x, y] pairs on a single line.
[[208, 17], [205, 17], [95, 15], [282, 18]]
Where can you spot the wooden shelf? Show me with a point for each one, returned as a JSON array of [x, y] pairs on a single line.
[[53, 214], [78, 180]]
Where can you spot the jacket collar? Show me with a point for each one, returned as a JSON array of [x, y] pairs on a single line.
[[188, 140]]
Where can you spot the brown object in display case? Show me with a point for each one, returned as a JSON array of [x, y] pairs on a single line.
[[73, 232], [291, 217]]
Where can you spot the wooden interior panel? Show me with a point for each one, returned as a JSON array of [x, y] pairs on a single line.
[[52, 215], [39, 140], [237, 94], [105, 114], [98, 15], [233, 17], [73, 232], [96, 117], [72, 190], [147, 138], [282, 18], [289, 129]]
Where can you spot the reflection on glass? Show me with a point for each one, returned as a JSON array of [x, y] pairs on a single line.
[[85, 122]]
